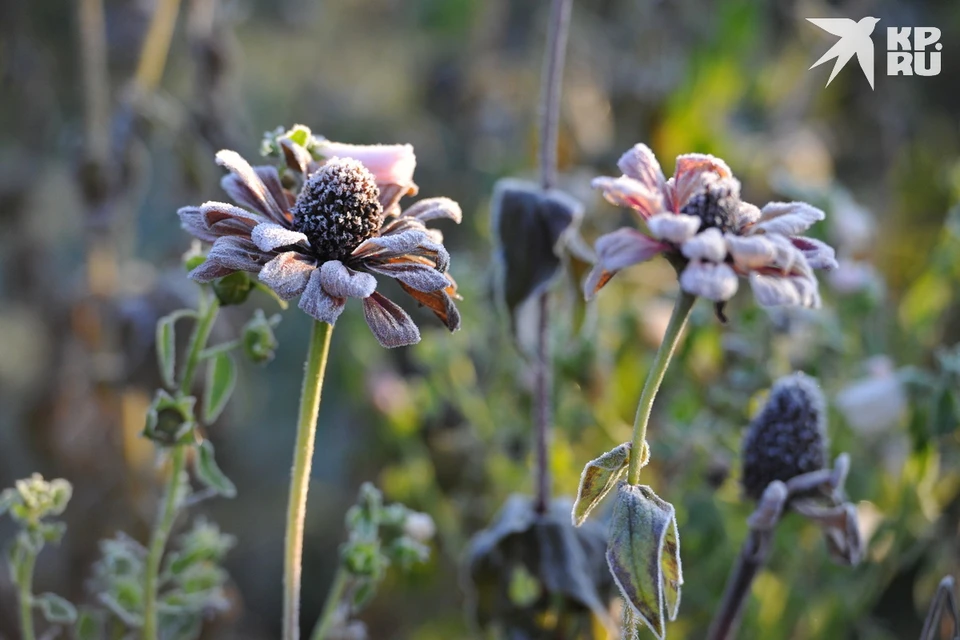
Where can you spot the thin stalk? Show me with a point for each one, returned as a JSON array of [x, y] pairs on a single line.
[[156, 45], [25, 584], [681, 311], [550, 91], [168, 510], [316, 365], [334, 596], [543, 401], [753, 556]]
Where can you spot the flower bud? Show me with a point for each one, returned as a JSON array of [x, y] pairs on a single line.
[[788, 437], [234, 288], [170, 420], [419, 527], [259, 342]]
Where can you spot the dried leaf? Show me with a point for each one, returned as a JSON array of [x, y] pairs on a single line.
[[643, 554], [529, 225], [600, 476]]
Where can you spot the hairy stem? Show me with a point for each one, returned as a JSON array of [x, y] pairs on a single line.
[[25, 592], [753, 555], [681, 311], [334, 596], [552, 82], [300, 476], [168, 510]]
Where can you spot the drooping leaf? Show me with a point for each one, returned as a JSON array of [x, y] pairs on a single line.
[[55, 609], [210, 474], [529, 225], [221, 379], [643, 554], [600, 476], [167, 346]]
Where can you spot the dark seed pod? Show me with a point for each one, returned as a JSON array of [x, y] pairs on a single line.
[[788, 437]]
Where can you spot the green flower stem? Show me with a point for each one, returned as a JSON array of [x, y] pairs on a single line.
[[334, 596], [681, 311], [25, 584], [168, 512], [300, 476]]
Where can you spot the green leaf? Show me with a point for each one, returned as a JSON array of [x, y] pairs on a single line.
[[221, 379], [55, 609], [167, 345], [946, 410], [643, 554], [210, 474], [88, 627], [600, 476]]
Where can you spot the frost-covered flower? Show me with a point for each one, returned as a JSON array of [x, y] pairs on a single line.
[[697, 220], [326, 229]]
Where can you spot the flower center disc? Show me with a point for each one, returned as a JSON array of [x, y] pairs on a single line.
[[338, 208], [715, 204]]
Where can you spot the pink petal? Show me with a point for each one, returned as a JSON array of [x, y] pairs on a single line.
[[246, 186], [773, 290], [417, 275], [717, 282], [673, 227], [389, 163], [687, 175], [787, 218], [626, 247], [627, 192], [435, 208], [706, 245], [640, 164], [819, 254]]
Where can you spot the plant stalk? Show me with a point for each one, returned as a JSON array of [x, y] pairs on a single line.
[[168, 511], [550, 93], [753, 556], [156, 45], [316, 365], [543, 400], [25, 584], [551, 85], [678, 320], [334, 596]]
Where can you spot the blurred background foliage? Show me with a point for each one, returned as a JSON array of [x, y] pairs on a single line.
[[91, 260]]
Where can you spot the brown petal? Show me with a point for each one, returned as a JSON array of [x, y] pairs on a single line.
[[287, 274], [434, 209], [192, 223], [213, 212], [440, 303], [270, 235], [341, 281], [415, 274], [389, 323], [297, 158], [229, 253], [597, 279], [411, 242], [246, 186], [317, 303]]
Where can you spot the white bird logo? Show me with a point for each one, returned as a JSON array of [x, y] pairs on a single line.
[[854, 39]]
